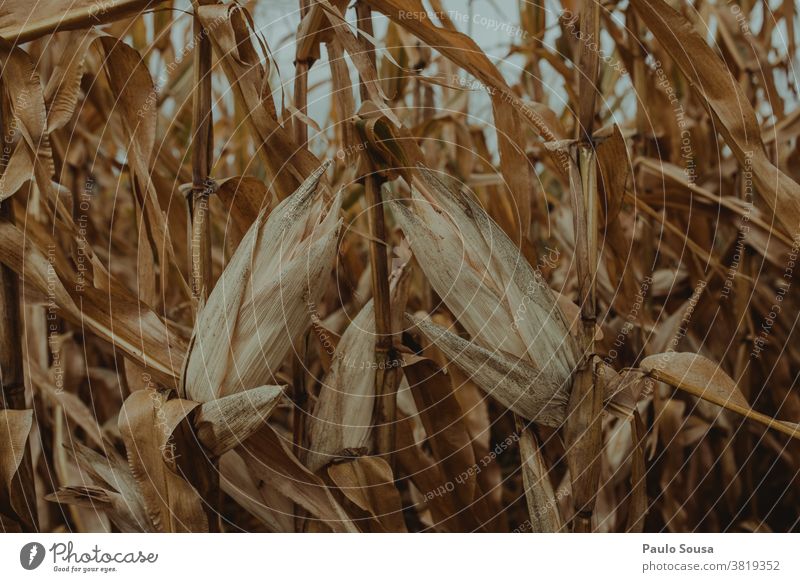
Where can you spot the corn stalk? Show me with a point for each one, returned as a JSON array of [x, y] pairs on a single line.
[[205, 475], [12, 381], [386, 378], [303, 62], [583, 426], [11, 377], [202, 152]]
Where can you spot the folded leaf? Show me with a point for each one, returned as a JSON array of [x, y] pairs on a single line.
[[703, 378], [146, 421]]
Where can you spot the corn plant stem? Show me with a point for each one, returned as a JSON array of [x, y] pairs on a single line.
[[10, 337], [417, 100], [637, 510], [746, 329], [640, 83], [302, 66], [583, 427], [386, 374], [540, 17], [200, 224], [11, 376], [300, 400], [589, 68], [299, 389], [300, 102], [364, 16], [12, 381], [202, 150], [641, 143], [300, 397]]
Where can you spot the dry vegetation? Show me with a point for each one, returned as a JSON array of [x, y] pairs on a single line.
[[404, 285]]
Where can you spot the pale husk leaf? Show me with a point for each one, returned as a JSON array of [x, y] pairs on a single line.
[[342, 418], [536, 395], [264, 296]]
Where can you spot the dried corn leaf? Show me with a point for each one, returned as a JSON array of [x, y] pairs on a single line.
[[113, 313], [368, 482], [543, 509], [244, 197], [63, 87], [227, 422], [705, 379], [16, 24], [15, 426], [269, 461], [444, 424], [733, 114], [24, 87], [146, 422], [230, 28], [462, 50], [99, 499]]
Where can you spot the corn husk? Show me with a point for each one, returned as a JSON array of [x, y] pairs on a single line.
[[502, 302], [265, 295]]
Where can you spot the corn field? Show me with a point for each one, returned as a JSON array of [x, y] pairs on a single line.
[[399, 266]]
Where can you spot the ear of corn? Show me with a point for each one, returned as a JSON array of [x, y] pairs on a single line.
[[268, 290], [482, 277], [375, 280]]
